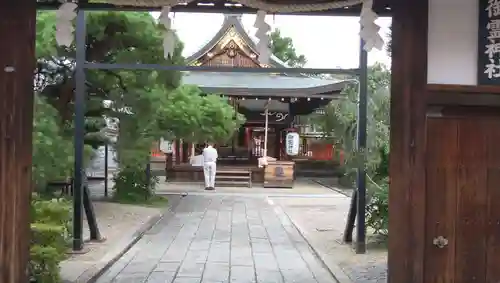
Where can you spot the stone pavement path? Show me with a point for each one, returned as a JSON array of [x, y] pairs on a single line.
[[218, 239]]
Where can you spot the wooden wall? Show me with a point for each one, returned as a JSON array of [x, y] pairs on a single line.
[[17, 31], [223, 59], [444, 167], [233, 57]]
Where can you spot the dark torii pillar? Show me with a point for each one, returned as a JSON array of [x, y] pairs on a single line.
[[17, 64]]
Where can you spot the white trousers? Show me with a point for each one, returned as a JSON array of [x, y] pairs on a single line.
[[209, 169]]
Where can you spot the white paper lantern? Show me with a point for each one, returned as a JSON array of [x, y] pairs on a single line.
[[292, 144], [166, 146]]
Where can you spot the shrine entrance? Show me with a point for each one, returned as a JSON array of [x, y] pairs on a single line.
[[445, 127], [444, 164]]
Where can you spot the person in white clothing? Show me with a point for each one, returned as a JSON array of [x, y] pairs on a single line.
[[209, 166]]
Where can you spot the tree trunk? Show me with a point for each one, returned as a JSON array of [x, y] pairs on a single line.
[[17, 64]]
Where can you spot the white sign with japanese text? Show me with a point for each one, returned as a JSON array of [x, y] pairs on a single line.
[[292, 144], [166, 146], [489, 42]]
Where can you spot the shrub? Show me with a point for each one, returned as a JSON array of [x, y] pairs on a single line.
[[52, 152], [132, 184], [377, 209], [51, 224]]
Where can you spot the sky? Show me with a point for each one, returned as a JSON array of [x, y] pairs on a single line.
[[326, 42]]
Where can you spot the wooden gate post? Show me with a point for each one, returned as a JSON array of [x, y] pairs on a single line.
[[407, 142], [17, 64]]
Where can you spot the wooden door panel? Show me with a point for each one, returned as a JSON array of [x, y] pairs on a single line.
[[472, 200], [441, 167], [493, 205], [463, 197]]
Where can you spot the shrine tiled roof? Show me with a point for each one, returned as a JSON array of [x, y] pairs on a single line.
[[257, 84], [263, 84]]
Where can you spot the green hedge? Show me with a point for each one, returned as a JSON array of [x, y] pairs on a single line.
[[50, 227]]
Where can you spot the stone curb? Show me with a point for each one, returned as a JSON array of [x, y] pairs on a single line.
[[334, 269], [332, 188], [124, 245]]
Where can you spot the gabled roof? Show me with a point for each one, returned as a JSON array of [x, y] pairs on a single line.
[[255, 84], [232, 21]]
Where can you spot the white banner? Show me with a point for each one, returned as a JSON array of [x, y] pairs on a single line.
[[292, 144]]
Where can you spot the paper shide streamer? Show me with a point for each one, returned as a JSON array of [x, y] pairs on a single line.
[[262, 34], [64, 26], [169, 39], [369, 29]]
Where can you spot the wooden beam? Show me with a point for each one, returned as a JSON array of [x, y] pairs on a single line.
[[17, 64], [408, 111], [381, 7]]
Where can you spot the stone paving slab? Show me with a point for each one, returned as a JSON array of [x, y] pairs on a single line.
[[120, 225], [321, 221], [220, 239]]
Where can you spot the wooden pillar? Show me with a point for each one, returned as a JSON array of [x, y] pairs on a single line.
[[182, 147], [17, 64], [177, 152], [407, 142], [277, 142]]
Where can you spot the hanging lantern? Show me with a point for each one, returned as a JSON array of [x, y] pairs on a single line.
[[166, 146], [292, 143]]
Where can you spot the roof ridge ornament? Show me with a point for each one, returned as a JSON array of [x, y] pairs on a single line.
[[64, 25]]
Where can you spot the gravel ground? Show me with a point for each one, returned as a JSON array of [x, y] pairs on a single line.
[[322, 221], [117, 224]]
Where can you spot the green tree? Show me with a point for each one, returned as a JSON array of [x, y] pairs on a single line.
[[339, 123], [52, 153], [340, 119], [113, 37], [388, 47], [282, 47], [139, 99], [195, 117]]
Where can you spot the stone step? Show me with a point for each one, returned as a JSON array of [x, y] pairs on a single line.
[[232, 183], [232, 172], [232, 177]]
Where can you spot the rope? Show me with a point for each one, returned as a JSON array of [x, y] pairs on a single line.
[[373, 182], [256, 4]]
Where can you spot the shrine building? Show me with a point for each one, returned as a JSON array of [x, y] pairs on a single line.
[[289, 96]]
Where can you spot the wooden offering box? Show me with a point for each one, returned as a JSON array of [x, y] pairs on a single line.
[[279, 174]]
